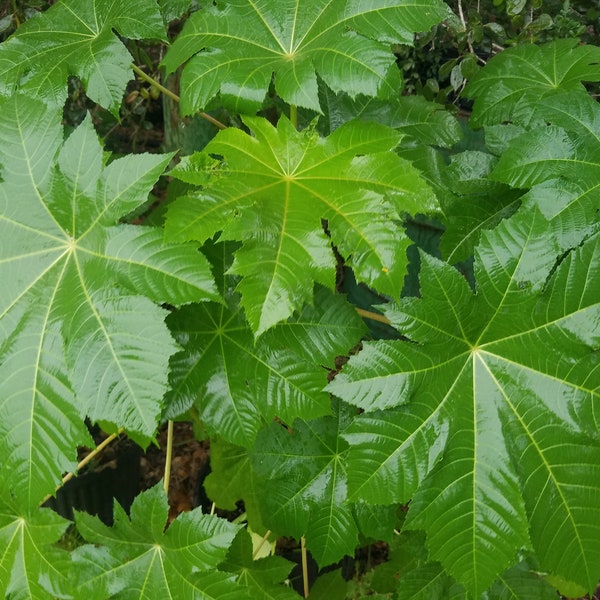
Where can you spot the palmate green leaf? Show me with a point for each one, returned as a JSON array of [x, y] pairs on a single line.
[[518, 81], [238, 385], [510, 377], [427, 122], [80, 333], [472, 202], [236, 46], [29, 559], [231, 479], [76, 37], [262, 577], [137, 558], [275, 189], [561, 163], [305, 484]]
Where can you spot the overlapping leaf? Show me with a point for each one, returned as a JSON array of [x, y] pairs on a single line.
[[561, 162], [237, 46], [239, 385], [275, 189], [77, 38], [305, 483], [30, 560], [508, 379], [518, 81], [137, 558], [262, 577], [80, 334], [427, 122]]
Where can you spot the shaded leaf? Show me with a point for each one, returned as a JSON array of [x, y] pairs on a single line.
[[561, 163], [305, 484], [427, 122], [262, 577], [231, 479], [239, 385]]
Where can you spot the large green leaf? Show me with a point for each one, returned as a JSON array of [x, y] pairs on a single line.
[[274, 190], [237, 46], [29, 559], [80, 333], [76, 37], [518, 81], [427, 122], [510, 375], [305, 484], [561, 162], [137, 558], [239, 385]]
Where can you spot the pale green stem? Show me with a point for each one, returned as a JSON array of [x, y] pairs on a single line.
[[173, 96], [169, 457], [304, 566], [85, 461], [367, 314], [294, 115], [262, 543]]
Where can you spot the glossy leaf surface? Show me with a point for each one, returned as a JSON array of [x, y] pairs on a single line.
[[80, 333], [305, 484], [561, 163], [235, 47], [30, 561], [506, 374], [77, 38], [275, 189], [238, 385], [427, 122], [137, 558], [518, 81]]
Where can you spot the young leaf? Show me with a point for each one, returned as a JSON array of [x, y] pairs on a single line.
[[239, 385], [273, 193], [237, 46], [305, 483], [77, 38], [29, 560], [139, 558], [517, 81], [78, 333], [508, 372]]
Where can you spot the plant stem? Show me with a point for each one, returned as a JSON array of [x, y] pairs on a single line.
[[169, 457], [173, 96], [262, 543], [85, 461], [294, 115], [367, 314], [304, 566]]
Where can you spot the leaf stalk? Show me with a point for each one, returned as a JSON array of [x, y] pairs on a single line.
[[173, 96]]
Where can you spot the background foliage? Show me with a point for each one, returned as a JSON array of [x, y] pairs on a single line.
[[436, 167]]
